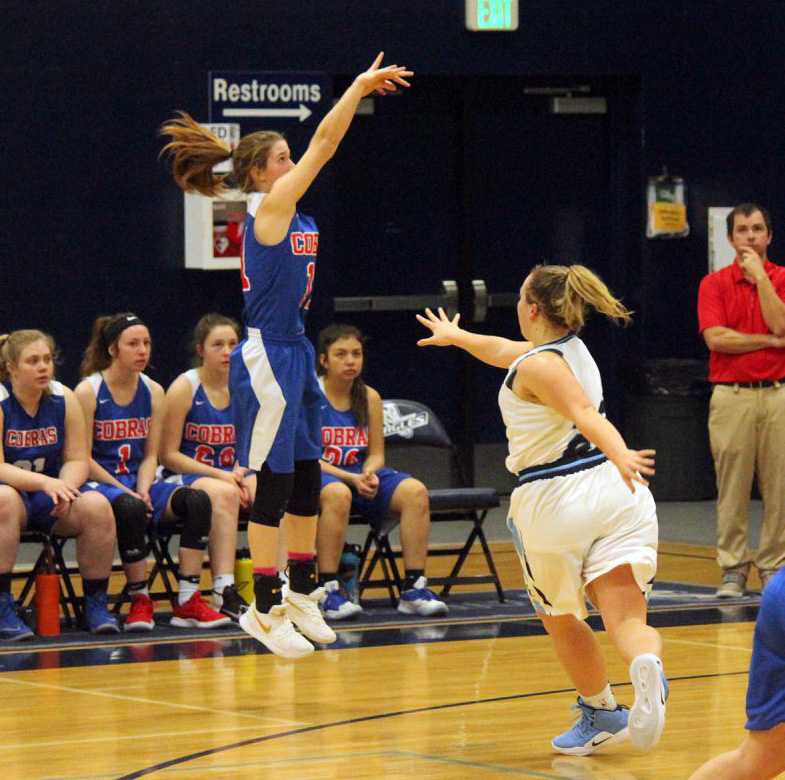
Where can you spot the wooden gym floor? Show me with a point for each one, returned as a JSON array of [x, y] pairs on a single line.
[[478, 701]]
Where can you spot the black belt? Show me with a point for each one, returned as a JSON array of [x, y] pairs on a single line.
[[755, 385]]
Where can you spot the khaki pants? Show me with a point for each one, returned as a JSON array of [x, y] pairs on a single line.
[[747, 435]]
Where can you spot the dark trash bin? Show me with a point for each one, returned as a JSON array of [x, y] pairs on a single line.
[[666, 408]]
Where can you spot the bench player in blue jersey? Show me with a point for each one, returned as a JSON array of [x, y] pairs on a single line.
[[124, 410], [272, 378], [44, 461], [354, 479], [198, 445]]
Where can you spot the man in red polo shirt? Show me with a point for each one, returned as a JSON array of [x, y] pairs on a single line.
[[741, 312]]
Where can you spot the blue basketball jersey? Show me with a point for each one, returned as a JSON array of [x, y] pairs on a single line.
[[120, 432], [208, 433], [344, 443], [34, 443], [278, 280]]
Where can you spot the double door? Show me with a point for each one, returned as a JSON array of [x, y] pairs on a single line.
[[449, 195]]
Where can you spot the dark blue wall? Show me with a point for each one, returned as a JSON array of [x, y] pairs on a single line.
[[91, 222]]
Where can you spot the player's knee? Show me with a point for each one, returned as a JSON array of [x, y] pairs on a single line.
[[98, 513], [336, 497], [223, 496], [417, 495], [194, 508], [130, 515], [272, 496], [307, 486], [11, 507]]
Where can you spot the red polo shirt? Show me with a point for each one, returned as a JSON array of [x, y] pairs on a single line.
[[726, 298]]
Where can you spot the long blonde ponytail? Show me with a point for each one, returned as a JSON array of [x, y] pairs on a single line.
[[566, 293]]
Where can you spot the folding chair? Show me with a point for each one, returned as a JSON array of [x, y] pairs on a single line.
[[71, 604], [408, 424]]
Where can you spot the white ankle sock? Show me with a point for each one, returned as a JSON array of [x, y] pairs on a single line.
[[604, 700], [221, 581], [186, 590]]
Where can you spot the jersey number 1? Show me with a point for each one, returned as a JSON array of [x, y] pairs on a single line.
[[124, 455], [305, 301]]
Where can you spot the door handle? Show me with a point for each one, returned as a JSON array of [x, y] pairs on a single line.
[[483, 300]]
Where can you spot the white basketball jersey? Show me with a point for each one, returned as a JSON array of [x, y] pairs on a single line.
[[536, 434]]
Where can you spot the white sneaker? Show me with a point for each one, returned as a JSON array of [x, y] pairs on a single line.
[[275, 631], [335, 605], [303, 610], [647, 716], [419, 600]]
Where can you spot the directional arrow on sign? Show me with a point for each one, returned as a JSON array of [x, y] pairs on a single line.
[[302, 113]]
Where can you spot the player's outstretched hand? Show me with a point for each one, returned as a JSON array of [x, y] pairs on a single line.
[[633, 464], [445, 331], [383, 80]]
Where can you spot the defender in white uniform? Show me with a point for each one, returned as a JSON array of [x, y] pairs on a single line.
[[581, 525]]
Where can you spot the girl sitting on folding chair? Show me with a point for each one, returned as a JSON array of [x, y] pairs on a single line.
[[124, 410], [198, 448], [43, 465], [355, 479]]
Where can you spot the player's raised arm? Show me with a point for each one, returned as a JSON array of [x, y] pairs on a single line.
[[275, 213]]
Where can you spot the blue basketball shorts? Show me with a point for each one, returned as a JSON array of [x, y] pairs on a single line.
[[160, 493], [184, 480], [39, 506], [766, 689], [276, 399], [377, 508]]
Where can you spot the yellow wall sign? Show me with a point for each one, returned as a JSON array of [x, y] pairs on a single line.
[[667, 216]]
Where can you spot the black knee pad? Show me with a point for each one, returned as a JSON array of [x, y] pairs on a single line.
[[130, 514], [307, 488], [195, 509], [272, 495]]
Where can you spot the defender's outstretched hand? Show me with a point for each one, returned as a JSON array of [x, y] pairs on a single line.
[[445, 330], [383, 80]]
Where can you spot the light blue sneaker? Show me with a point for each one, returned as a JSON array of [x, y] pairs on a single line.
[[419, 600], [336, 605], [99, 619], [12, 627], [594, 729], [647, 716]]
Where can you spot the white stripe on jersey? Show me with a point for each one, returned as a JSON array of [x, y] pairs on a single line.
[[192, 375], [253, 203], [270, 396], [536, 434]]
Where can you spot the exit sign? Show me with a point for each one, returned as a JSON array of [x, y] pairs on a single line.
[[492, 15]]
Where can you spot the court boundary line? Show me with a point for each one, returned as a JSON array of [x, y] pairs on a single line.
[[443, 622], [382, 716]]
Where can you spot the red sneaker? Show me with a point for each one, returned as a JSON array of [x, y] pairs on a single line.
[[140, 616], [196, 614]]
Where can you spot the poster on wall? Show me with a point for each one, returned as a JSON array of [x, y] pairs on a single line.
[[667, 207]]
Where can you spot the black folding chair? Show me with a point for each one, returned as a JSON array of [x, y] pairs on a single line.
[[408, 424]]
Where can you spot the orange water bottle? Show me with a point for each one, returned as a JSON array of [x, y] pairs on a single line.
[[47, 598]]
